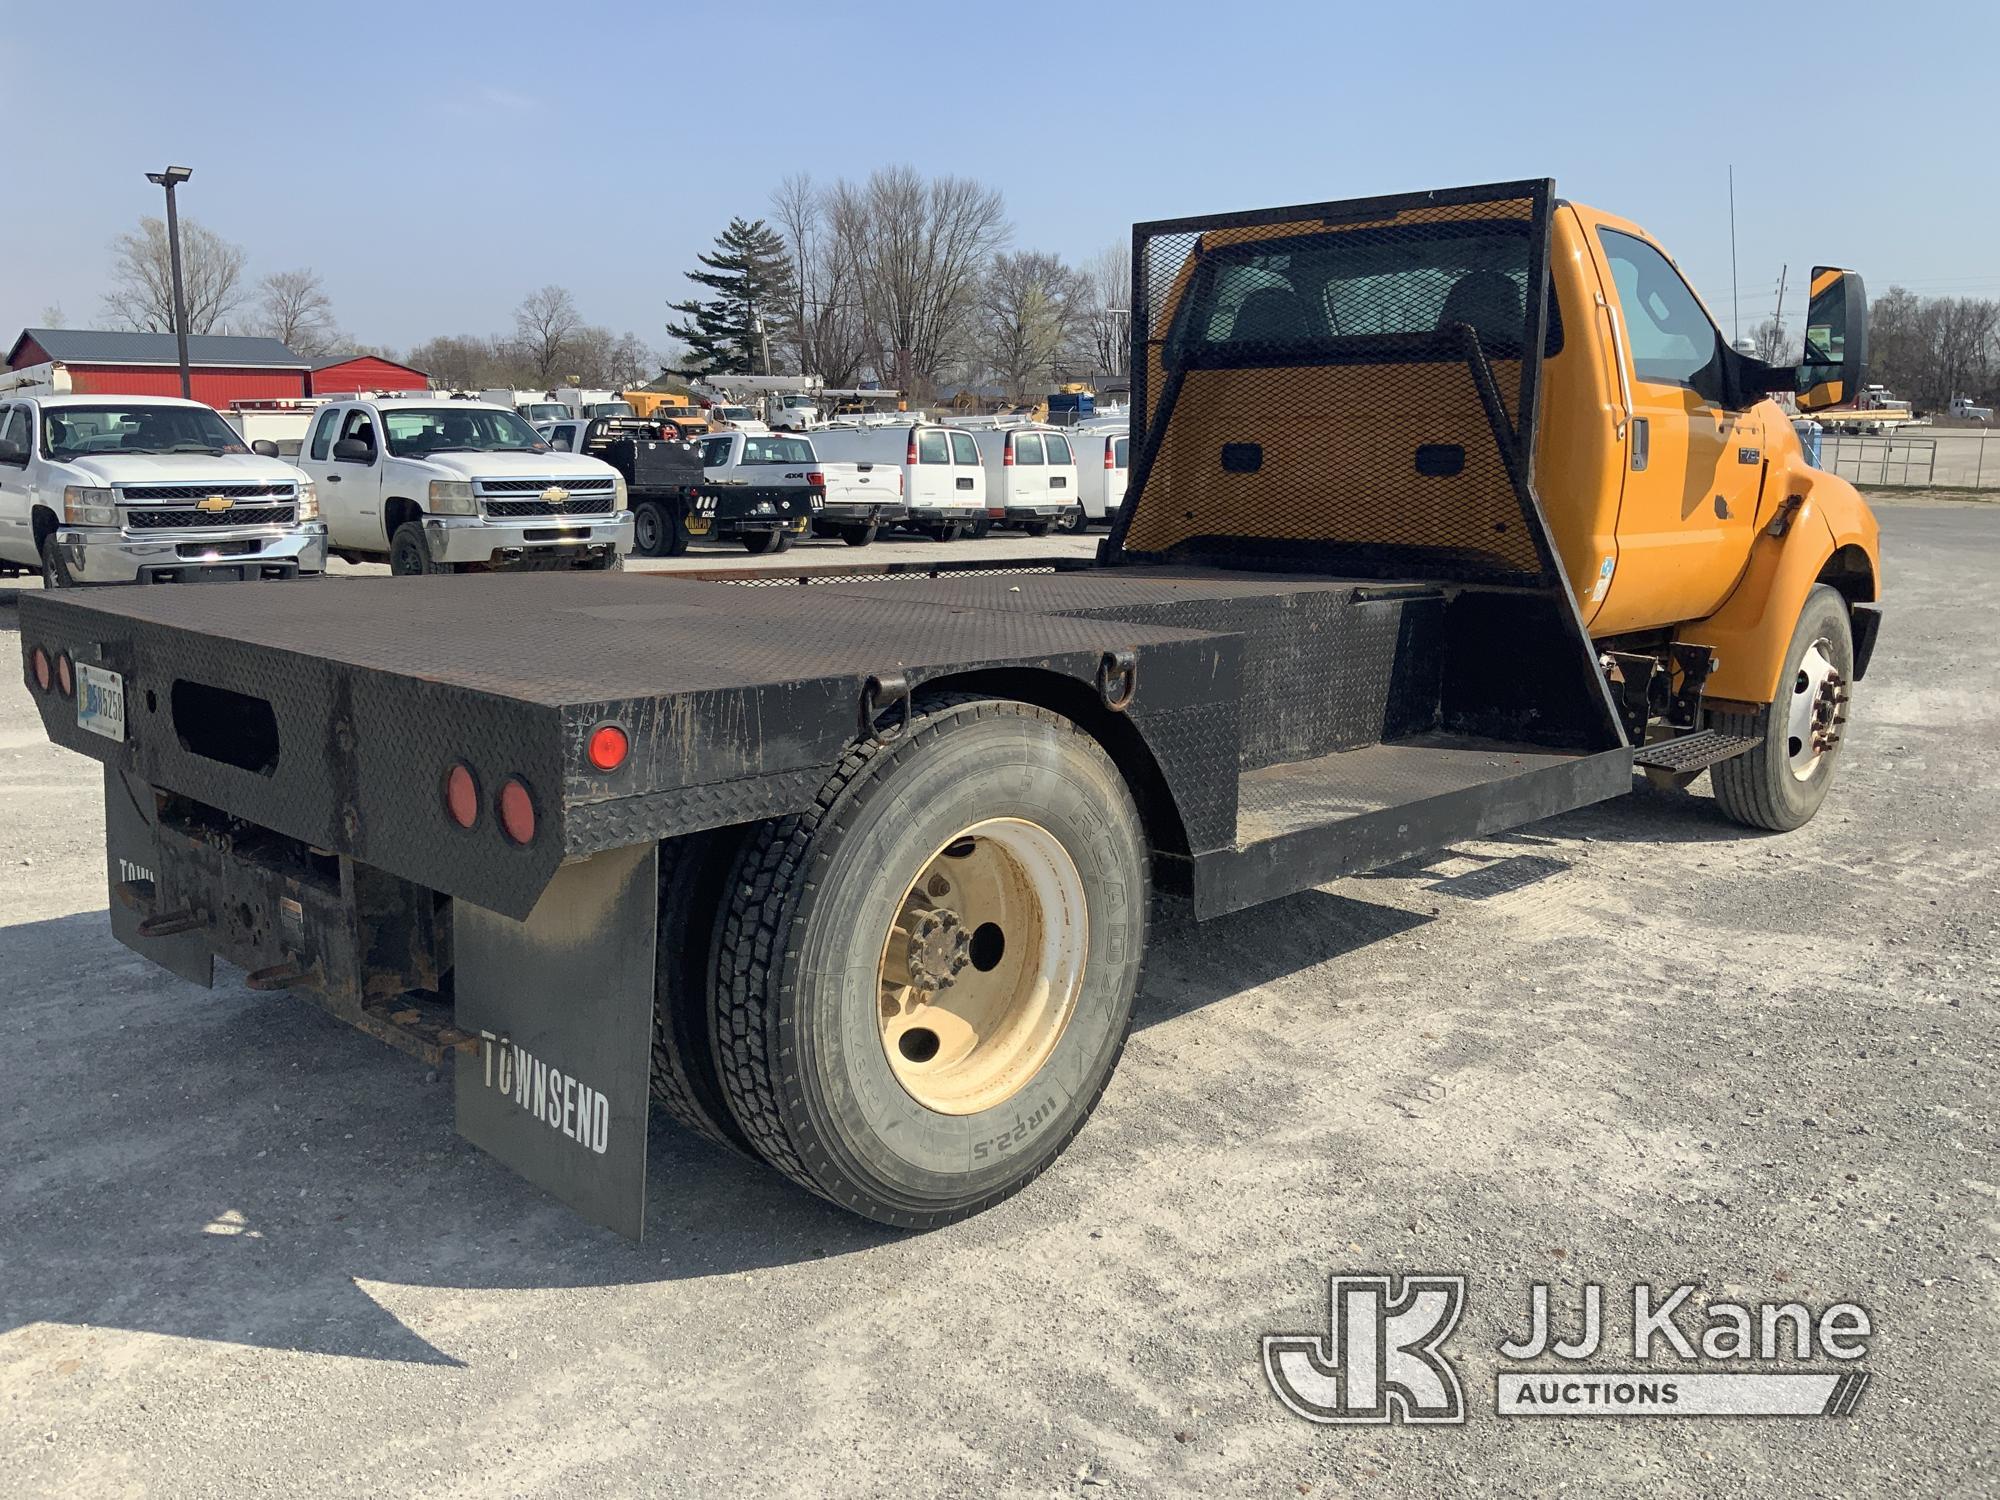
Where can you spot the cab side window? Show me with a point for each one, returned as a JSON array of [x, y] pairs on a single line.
[[1670, 335], [322, 435], [359, 427]]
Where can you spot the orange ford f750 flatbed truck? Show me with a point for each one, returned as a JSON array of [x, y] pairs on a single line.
[[1446, 510]]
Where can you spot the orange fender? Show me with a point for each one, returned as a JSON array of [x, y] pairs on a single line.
[[1751, 631]]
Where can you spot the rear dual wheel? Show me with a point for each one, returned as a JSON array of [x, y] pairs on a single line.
[[657, 531], [920, 988], [761, 543]]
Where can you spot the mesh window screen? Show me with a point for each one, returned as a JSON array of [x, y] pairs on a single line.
[[1347, 386]]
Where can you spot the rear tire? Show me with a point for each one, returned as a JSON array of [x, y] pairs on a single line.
[[1036, 528], [758, 543], [693, 873], [657, 531], [1072, 522], [859, 536], [410, 553], [818, 913], [1780, 784]]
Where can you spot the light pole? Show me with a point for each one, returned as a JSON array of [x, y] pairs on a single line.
[[170, 179]]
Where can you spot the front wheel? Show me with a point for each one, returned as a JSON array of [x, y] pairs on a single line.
[[1780, 784], [924, 983], [410, 553], [55, 572]]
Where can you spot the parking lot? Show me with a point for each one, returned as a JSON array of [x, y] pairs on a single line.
[[243, 1251]]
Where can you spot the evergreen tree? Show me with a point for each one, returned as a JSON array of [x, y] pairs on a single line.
[[750, 273]]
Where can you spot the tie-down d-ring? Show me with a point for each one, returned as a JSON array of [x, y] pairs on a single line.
[[1118, 679], [879, 694]]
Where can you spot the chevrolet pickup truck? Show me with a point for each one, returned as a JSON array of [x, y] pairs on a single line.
[[1446, 511], [441, 486], [146, 489]]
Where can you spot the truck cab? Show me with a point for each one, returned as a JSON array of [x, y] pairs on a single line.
[[444, 486], [147, 489]]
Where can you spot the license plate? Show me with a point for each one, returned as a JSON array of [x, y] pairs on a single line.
[[100, 702]]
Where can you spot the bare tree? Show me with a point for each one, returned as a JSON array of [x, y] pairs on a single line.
[[142, 283], [1026, 318], [1103, 325], [1774, 344], [294, 309], [54, 317], [916, 249], [1929, 349], [545, 323], [828, 322]]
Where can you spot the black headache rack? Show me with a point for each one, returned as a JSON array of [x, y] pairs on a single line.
[[1376, 656]]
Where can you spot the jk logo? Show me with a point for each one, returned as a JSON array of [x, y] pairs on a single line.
[[1379, 1360]]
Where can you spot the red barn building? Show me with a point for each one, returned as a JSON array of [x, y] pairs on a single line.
[[221, 367], [337, 374]]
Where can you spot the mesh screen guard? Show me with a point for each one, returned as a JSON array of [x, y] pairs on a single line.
[[1344, 386]]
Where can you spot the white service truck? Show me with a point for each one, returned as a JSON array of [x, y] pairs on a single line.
[[145, 489], [794, 487], [451, 486]]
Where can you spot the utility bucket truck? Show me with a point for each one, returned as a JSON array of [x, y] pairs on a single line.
[[852, 873]]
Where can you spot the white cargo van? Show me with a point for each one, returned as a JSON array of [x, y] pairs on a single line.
[[944, 477], [1030, 476], [1101, 459]]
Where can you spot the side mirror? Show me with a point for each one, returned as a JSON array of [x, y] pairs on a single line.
[[12, 452], [353, 451], [1834, 366], [264, 448]]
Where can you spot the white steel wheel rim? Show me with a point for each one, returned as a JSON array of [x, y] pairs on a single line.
[[982, 966], [1811, 711]]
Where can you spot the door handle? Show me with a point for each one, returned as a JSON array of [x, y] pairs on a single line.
[[1642, 443], [333, 479]]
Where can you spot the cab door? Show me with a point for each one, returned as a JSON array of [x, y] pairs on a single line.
[[1693, 472], [930, 471]]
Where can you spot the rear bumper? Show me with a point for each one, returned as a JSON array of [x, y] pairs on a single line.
[[1039, 512], [108, 556], [865, 512], [468, 539]]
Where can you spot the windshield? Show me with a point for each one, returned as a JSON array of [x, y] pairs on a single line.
[[735, 414], [416, 431], [545, 411], [777, 450], [72, 431], [609, 409]]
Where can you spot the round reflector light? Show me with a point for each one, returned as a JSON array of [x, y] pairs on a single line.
[[461, 796], [38, 661], [65, 676], [517, 812], [608, 747]]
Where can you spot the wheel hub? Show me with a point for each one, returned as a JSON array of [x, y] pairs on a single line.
[[1816, 712], [982, 965]]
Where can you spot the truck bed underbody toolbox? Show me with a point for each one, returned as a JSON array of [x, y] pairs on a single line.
[[1382, 657]]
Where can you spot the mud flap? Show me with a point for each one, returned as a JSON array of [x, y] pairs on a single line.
[[563, 1005], [132, 854]]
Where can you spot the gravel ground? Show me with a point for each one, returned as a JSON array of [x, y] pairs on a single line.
[[243, 1253]]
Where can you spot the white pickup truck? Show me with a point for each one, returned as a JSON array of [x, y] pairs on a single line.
[[146, 489], [790, 482], [446, 486]]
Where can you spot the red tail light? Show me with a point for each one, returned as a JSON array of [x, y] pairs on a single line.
[[910, 457], [816, 479], [65, 676], [38, 662], [461, 796], [517, 812], [608, 747], [1109, 449], [1007, 453]]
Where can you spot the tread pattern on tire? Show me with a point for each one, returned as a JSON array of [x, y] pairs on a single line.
[[757, 925], [1739, 791], [683, 863]]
